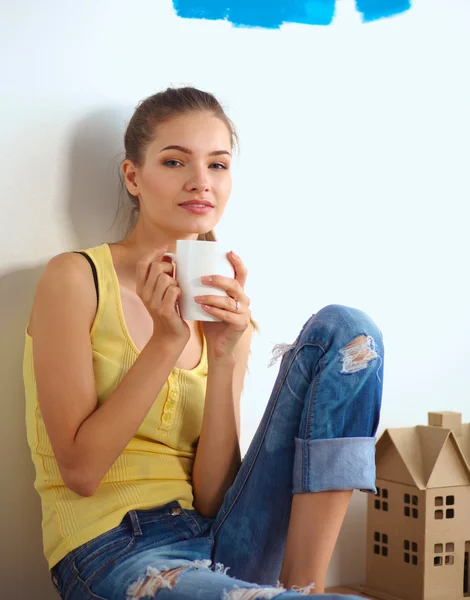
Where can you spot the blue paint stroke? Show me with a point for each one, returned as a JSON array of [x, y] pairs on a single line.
[[271, 14], [371, 10]]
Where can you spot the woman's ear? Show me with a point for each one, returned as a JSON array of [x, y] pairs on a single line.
[[130, 177]]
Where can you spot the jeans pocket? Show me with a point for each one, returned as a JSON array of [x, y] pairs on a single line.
[[102, 553], [198, 524]]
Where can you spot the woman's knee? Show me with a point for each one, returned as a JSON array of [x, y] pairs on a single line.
[[345, 330], [351, 322]]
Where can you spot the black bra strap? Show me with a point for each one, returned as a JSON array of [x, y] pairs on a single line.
[[95, 274]]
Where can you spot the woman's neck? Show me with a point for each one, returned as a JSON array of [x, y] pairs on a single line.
[[140, 241]]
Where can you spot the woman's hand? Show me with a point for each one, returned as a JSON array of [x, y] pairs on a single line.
[[160, 293], [222, 337]]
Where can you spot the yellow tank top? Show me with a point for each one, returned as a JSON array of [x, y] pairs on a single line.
[[155, 467]]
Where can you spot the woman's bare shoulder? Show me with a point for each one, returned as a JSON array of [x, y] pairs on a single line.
[[66, 281]]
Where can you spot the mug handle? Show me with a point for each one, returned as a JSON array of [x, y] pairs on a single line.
[[171, 255], [173, 258]]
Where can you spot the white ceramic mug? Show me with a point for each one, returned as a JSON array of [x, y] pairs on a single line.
[[195, 259]]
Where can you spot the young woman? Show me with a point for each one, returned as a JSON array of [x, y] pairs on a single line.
[[133, 414]]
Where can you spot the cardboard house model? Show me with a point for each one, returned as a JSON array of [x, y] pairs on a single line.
[[418, 529]]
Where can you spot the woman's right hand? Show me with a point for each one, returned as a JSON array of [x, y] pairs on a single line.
[[159, 292]]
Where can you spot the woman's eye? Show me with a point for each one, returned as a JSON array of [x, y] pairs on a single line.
[[176, 163]]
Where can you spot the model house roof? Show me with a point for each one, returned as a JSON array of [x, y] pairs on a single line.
[[426, 456]]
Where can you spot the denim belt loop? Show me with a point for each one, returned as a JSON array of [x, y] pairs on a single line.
[[136, 529]]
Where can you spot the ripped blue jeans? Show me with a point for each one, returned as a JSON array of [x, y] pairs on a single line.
[[317, 434]]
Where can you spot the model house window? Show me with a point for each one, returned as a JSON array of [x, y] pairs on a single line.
[[410, 555], [443, 559], [382, 504], [448, 513], [411, 506], [465, 573], [380, 543]]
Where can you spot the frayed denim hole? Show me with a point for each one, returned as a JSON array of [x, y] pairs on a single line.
[[279, 351], [148, 585], [358, 355]]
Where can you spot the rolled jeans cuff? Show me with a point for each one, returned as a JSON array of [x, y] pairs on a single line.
[[334, 464]]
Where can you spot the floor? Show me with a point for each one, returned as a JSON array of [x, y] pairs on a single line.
[[345, 590]]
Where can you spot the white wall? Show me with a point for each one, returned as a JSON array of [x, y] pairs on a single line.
[[352, 188]]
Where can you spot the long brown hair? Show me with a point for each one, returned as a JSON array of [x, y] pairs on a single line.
[[157, 109]]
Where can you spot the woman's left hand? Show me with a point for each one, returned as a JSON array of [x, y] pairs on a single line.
[[222, 337]]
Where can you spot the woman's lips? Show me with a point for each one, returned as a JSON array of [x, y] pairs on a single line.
[[198, 210]]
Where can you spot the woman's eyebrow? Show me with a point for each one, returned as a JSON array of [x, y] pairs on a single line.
[[188, 151]]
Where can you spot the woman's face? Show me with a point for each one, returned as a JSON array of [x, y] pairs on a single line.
[[189, 159]]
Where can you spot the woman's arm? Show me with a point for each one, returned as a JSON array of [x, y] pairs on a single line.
[[218, 454], [86, 440]]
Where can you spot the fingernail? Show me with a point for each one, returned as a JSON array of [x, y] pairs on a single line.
[[206, 279], [234, 255]]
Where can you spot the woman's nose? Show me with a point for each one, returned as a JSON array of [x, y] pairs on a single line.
[[198, 182]]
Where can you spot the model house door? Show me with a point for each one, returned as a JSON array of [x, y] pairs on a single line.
[[466, 591]]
